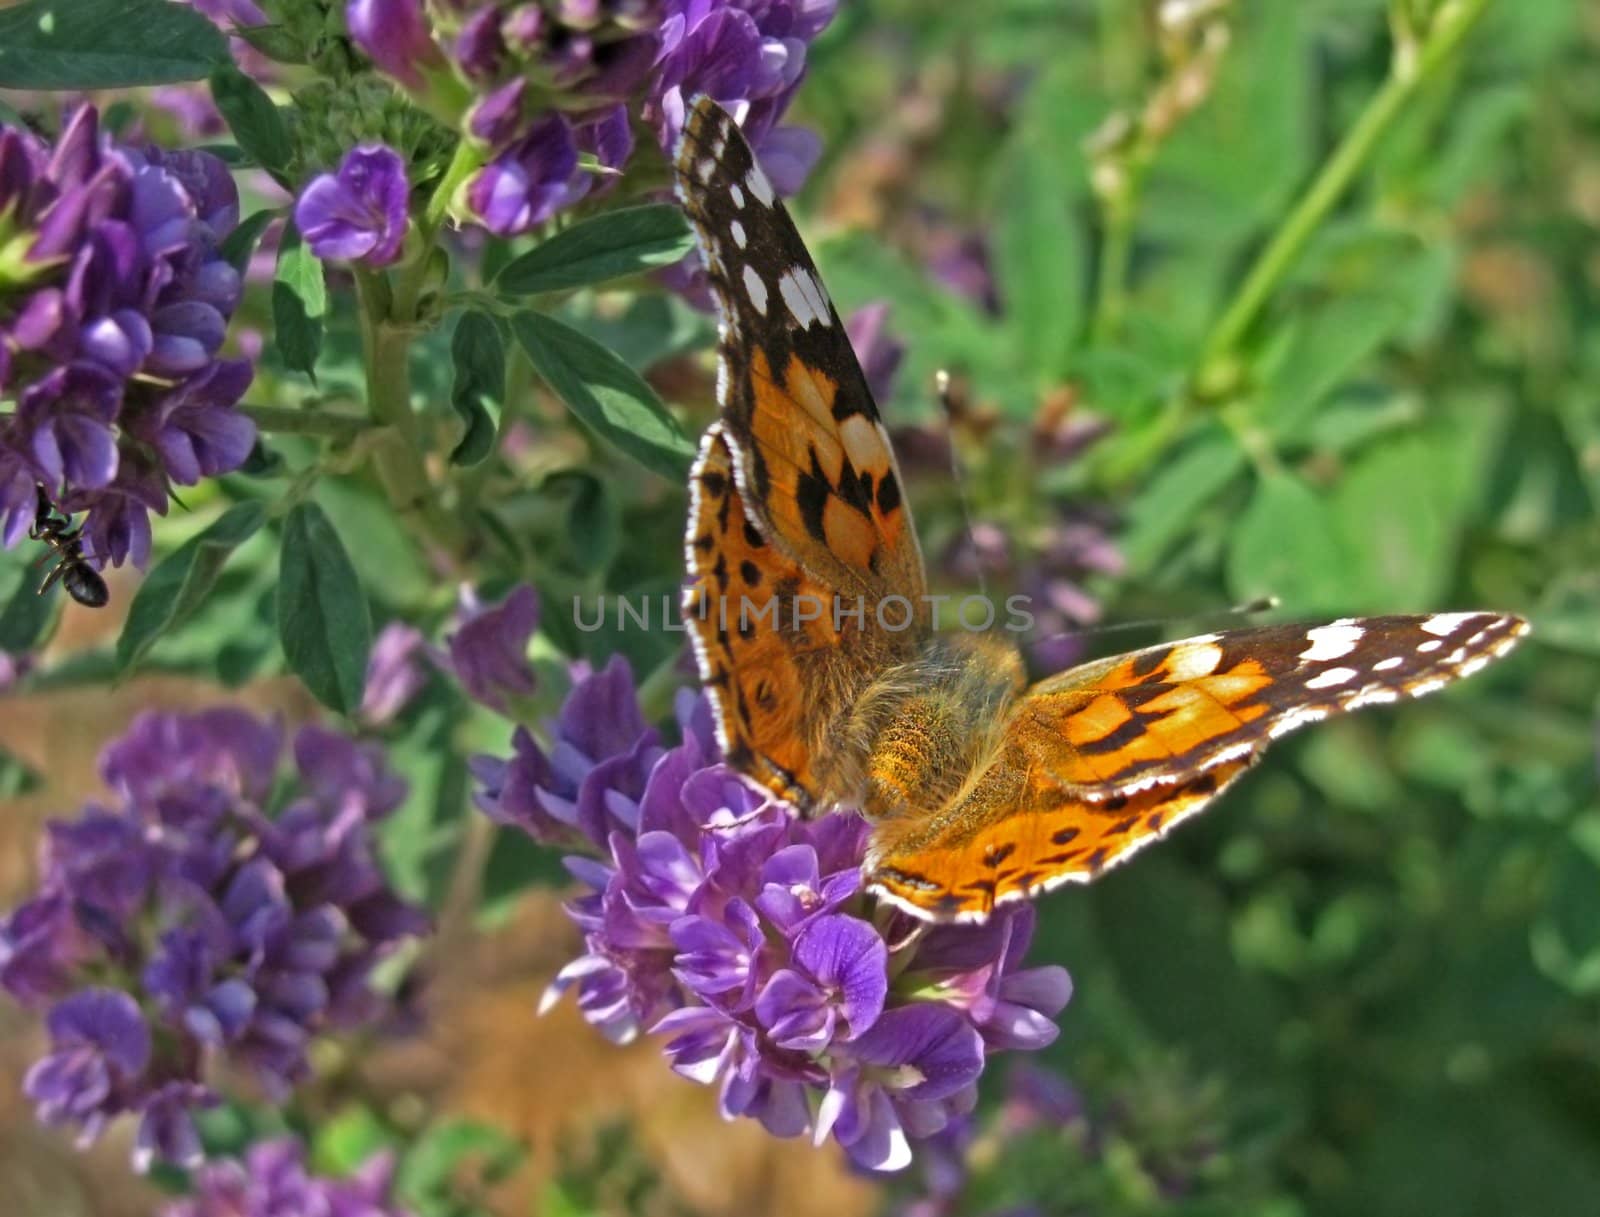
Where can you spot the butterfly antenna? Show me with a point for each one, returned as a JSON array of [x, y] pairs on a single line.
[[1261, 604], [941, 387]]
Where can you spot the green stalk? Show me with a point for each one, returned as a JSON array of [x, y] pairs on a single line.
[[1411, 68], [283, 420], [386, 345]]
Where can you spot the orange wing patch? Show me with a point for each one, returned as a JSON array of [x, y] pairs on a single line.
[[1028, 838]]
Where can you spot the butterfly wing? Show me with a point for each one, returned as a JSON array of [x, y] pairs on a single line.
[[813, 460], [1103, 759], [798, 531], [775, 662]]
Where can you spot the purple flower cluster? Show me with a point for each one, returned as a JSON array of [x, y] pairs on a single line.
[[552, 84], [272, 1181], [716, 918], [114, 302], [194, 917]]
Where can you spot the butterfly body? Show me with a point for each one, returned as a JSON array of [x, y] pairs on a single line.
[[927, 728], [807, 605]]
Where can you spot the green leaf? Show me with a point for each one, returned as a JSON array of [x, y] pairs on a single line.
[[1288, 545], [1166, 506], [254, 119], [16, 778], [239, 246], [299, 302], [1400, 523], [606, 394], [1040, 258], [180, 583], [453, 1159], [1167, 938], [105, 44], [323, 619], [610, 246], [26, 612], [276, 42], [478, 354]]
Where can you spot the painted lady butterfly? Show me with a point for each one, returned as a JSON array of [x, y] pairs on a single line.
[[807, 609]]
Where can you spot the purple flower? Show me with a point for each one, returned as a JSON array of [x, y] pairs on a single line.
[[14, 670], [395, 673], [489, 649], [906, 1077], [241, 925], [740, 934], [99, 1047], [530, 181], [359, 213], [591, 780], [117, 303], [394, 35], [839, 973], [272, 1181]]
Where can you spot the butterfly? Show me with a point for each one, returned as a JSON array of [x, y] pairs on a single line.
[[806, 604]]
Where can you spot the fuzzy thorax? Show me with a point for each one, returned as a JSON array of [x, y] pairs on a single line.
[[925, 727]]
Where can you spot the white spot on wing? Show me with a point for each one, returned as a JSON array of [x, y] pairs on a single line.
[[1433, 644], [739, 238], [1191, 660], [736, 195], [756, 182], [756, 289], [1331, 642], [1331, 678], [800, 297], [1384, 665], [706, 169], [1444, 624]]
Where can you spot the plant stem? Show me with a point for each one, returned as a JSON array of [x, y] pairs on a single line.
[[386, 345], [467, 158], [1410, 69], [1116, 253], [284, 420]]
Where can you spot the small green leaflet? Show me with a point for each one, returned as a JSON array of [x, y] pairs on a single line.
[[254, 119], [478, 354], [606, 394], [323, 618], [105, 44], [240, 245], [610, 246], [299, 302], [180, 582]]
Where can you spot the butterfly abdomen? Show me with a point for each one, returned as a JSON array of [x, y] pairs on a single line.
[[928, 725]]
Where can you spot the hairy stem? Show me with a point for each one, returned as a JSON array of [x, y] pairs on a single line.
[[1411, 68]]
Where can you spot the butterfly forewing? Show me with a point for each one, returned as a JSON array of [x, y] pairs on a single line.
[[814, 460], [1103, 759], [797, 527]]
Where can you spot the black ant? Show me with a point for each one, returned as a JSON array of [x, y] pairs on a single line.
[[82, 581]]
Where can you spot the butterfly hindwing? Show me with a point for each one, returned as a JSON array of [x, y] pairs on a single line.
[[813, 459], [1104, 758]]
